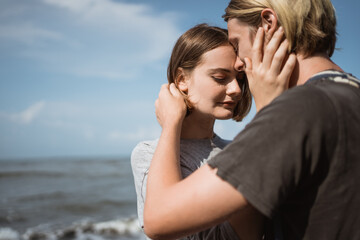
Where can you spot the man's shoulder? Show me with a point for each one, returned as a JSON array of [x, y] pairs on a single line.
[[336, 76], [318, 100], [296, 101]]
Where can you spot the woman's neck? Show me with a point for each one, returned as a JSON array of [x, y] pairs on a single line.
[[197, 127]]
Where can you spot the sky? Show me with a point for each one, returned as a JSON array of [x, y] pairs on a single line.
[[80, 77]]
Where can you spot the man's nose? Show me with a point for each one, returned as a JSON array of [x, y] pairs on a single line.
[[239, 65]]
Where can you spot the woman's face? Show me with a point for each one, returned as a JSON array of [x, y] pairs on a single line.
[[212, 86]]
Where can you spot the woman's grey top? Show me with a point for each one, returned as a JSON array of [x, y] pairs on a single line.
[[193, 153]]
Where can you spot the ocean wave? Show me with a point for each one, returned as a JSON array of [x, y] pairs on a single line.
[[17, 174], [8, 234], [91, 207], [55, 174], [84, 230], [43, 196]]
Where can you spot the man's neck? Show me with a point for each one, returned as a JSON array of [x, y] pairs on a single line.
[[307, 67]]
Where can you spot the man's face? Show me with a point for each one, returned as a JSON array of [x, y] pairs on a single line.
[[241, 37]]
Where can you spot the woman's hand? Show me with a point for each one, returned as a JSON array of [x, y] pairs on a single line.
[[270, 67], [170, 107]]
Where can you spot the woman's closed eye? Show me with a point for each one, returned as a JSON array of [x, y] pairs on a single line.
[[219, 78]]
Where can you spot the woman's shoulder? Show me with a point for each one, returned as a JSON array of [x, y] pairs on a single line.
[[145, 147], [220, 142], [143, 151]]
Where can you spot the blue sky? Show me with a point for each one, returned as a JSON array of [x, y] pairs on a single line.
[[80, 77]]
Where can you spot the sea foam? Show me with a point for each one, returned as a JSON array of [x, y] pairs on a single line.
[[83, 230]]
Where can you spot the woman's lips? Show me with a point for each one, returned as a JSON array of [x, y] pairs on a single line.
[[228, 103]]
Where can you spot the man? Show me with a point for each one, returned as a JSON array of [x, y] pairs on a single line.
[[297, 162]]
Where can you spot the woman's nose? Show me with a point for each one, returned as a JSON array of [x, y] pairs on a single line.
[[233, 88]]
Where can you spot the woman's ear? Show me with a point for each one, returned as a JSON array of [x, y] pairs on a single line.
[[181, 80], [269, 21]]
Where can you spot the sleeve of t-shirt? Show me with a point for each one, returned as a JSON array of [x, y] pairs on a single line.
[[269, 159], [140, 162]]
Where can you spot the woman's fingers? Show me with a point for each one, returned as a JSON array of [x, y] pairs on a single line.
[[272, 47], [288, 67], [270, 68], [248, 66], [268, 35], [257, 48], [174, 90], [279, 57], [170, 107], [263, 50], [249, 74], [164, 90]]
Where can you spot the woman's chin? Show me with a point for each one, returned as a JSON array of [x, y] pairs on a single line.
[[225, 116]]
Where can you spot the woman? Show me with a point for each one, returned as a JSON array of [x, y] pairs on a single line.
[[201, 67]]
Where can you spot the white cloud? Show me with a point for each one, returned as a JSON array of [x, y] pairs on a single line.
[[103, 39], [135, 23], [26, 116], [31, 113], [92, 122], [27, 33]]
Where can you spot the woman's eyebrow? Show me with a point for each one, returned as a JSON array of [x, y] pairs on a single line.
[[216, 70]]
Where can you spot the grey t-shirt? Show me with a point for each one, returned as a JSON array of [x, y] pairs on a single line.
[[193, 153]]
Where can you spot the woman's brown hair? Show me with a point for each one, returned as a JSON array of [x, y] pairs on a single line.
[[187, 55]]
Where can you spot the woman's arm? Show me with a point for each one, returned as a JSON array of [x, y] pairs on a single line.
[[191, 205], [176, 208]]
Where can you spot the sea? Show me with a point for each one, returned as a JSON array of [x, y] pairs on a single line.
[[68, 199]]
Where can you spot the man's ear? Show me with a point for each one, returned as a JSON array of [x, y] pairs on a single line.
[[181, 80], [269, 21]]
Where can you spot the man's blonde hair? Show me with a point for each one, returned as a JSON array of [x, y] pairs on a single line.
[[309, 25]]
